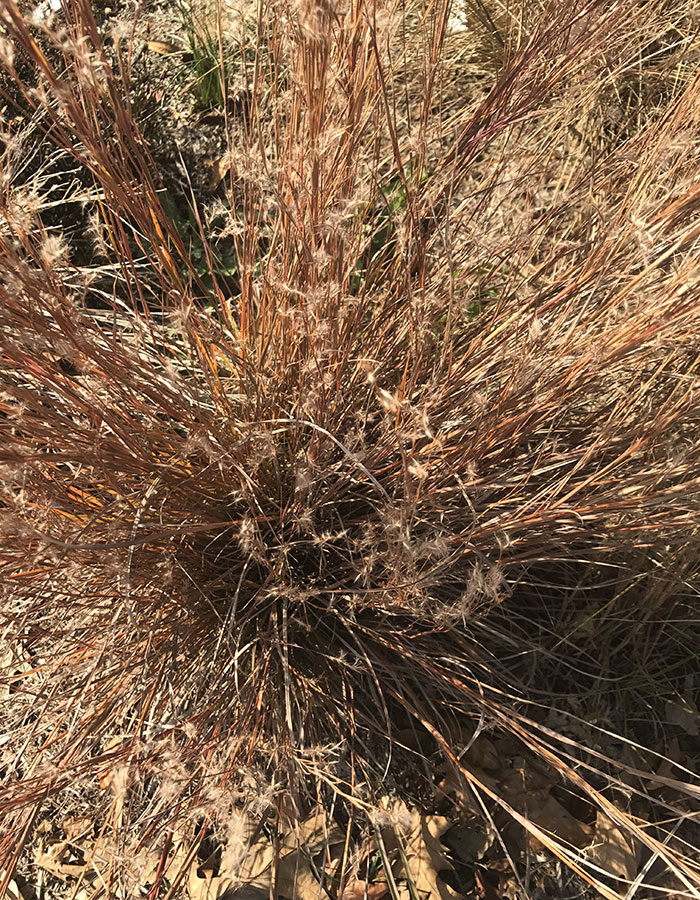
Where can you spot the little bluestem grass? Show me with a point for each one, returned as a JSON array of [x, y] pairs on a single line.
[[256, 525]]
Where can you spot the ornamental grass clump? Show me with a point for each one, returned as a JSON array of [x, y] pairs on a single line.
[[256, 525]]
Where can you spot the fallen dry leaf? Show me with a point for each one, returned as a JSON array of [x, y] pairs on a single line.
[[164, 48], [363, 890], [486, 891], [522, 785], [202, 884], [252, 861], [529, 792], [219, 170], [670, 755], [470, 840], [452, 785], [12, 892], [314, 834], [551, 816], [483, 753], [54, 861], [425, 855], [614, 850], [76, 826], [684, 713], [250, 872], [295, 876]]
